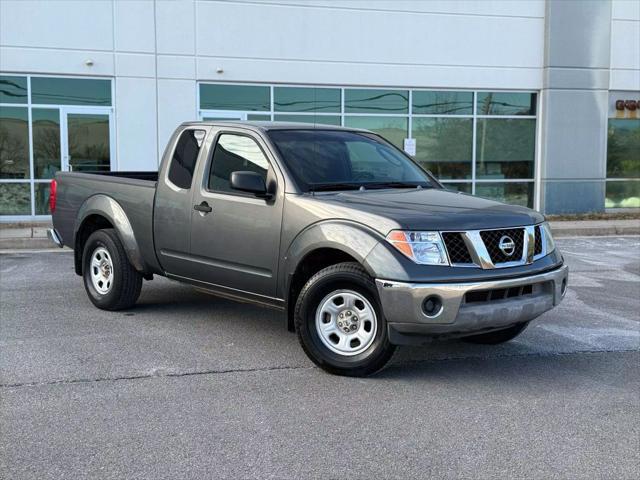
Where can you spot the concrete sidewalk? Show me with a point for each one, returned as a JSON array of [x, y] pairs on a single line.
[[25, 236]]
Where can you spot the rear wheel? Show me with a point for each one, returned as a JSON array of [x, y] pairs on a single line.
[[110, 280], [498, 336], [339, 321]]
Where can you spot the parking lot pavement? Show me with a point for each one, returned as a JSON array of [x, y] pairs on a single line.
[[192, 386]]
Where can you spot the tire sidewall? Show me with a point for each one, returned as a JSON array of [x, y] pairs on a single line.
[[319, 353], [96, 240]]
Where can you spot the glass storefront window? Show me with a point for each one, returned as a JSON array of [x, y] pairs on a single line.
[[623, 194], [302, 99], [623, 148], [505, 148], [31, 143], [13, 89], [46, 141], [443, 124], [506, 103], [88, 139], [259, 117], [515, 193], [235, 97], [70, 91], [376, 101], [42, 198], [393, 129], [14, 142], [315, 119], [458, 187], [444, 146], [15, 199], [442, 103]]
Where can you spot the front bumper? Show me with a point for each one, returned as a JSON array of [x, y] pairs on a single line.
[[467, 308]]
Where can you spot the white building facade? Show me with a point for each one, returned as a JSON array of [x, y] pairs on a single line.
[[530, 102]]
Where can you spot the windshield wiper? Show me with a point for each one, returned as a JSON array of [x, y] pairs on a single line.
[[325, 187]]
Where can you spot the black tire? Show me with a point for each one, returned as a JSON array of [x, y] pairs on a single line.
[[127, 282], [498, 336], [347, 276]]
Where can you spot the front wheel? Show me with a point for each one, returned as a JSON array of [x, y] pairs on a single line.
[[339, 321], [110, 280], [498, 336]]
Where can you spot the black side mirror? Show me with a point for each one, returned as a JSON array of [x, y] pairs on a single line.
[[251, 182]]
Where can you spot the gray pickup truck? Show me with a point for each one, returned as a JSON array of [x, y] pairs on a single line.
[[359, 246]]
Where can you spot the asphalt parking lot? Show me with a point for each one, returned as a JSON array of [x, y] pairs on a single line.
[[192, 386]]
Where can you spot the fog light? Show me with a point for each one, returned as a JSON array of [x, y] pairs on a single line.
[[432, 306]]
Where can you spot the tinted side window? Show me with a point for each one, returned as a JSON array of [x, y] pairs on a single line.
[[183, 162], [235, 153]]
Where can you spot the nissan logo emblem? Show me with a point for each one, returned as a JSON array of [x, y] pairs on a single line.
[[507, 246]]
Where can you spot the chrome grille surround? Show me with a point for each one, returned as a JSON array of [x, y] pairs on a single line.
[[531, 247]]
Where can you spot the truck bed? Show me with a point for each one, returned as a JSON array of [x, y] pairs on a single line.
[[134, 192]]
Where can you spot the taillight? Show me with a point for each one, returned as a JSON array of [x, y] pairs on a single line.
[[53, 190]]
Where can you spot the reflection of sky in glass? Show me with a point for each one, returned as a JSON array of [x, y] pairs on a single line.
[[13, 89], [70, 91], [244, 147]]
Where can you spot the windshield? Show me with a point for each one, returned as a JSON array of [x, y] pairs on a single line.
[[343, 160]]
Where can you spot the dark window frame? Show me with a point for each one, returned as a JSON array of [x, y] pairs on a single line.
[[210, 165], [195, 165]]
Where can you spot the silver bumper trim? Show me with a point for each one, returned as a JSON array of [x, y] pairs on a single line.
[[54, 237], [402, 303]]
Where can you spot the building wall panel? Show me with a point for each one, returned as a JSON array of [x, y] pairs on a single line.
[[136, 120]]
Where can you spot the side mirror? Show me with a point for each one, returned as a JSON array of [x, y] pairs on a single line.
[[251, 182]]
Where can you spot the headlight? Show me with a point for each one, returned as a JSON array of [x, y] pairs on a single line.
[[550, 245], [425, 248]]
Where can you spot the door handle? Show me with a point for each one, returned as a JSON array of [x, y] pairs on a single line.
[[203, 207]]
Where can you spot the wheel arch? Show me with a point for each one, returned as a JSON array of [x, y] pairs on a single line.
[[319, 246], [99, 212]]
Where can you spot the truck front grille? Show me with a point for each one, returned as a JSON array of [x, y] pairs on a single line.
[[491, 239], [457, 249], [481, 248], [538, 244]]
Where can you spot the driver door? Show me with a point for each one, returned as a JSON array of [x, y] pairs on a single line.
[[235, 236]]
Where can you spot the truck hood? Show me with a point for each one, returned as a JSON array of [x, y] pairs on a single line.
[[426, 209]]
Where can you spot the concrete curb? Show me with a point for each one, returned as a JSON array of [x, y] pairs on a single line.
[[586, 228]]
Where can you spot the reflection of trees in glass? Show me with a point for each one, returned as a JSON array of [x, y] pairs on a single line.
[[504, 103], [511, 193], [623, 194], [623, 149], [505, 147], [444, 145], [88, 139], [14, 148], [46, 148], [15, 199]]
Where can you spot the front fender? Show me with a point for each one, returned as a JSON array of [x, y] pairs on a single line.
[[352, 238], [110, 209]]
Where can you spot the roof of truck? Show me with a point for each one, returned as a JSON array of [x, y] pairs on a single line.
[[256, 125]]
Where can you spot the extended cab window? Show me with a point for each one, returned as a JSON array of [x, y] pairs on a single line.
[[184, 159], [235, 153]]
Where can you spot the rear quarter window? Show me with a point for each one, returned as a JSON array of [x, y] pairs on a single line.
[[185, 156]]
